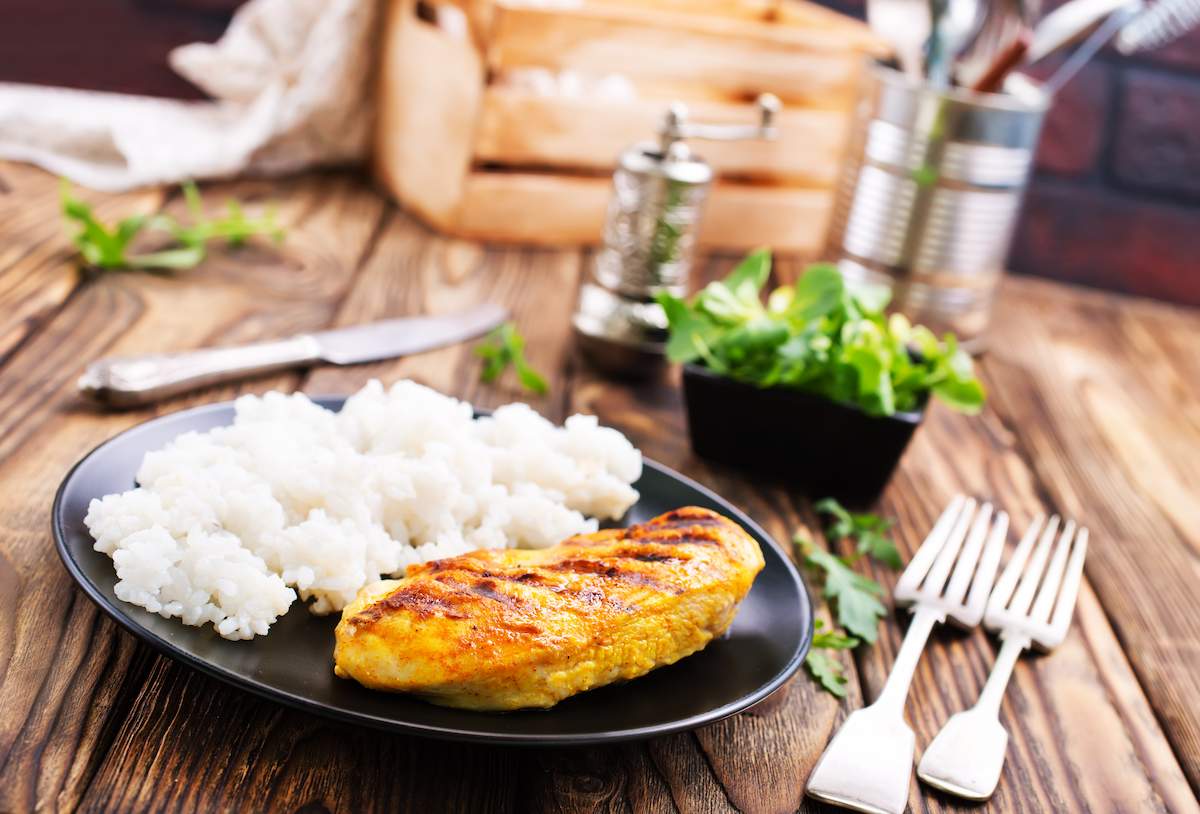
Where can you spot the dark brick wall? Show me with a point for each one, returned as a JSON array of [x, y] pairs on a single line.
[[1116, 199], [1115, 203]]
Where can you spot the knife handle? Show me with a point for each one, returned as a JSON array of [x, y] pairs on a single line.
[[130, 381]]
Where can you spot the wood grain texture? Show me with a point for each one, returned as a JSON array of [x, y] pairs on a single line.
[[1110, 434], [93, 721], [520, 127], [543, 209], [36, 276], [64, 702]]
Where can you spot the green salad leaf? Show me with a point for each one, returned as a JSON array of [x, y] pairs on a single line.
[[819, 335], [504, 347]]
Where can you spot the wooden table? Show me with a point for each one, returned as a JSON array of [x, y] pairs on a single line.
[[1094, 411]]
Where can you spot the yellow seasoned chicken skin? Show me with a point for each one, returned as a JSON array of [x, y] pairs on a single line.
[[509, 629]]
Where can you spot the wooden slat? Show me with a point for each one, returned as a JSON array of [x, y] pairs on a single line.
[[554, 210], [429, 89], [775, 12], [519, 128], [68, 676], [1111, 434], [800, 26], [803, 66]]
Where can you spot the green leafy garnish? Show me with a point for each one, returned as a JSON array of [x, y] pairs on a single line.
[[855, 597], [824, 666], [865, 529], [110, 247], [505, 347], [822, 336]]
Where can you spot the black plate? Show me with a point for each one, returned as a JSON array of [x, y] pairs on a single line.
[[293, 664]]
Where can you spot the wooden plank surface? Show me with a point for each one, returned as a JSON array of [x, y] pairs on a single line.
[[1094, 412], [521, 127]]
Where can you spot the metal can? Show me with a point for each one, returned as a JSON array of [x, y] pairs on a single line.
[[930, 192]]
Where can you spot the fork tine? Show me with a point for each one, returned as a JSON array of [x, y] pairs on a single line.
[[1012, 572], [964, 569], [1049, 590], [1070, 589], [919, 565], [936, 581], [989, 563], [1033, 571]]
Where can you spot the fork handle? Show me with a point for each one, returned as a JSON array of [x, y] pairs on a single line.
[[967, 756], [997, 682], [895, 691], [868, 764]]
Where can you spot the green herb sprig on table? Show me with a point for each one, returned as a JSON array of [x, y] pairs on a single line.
[[866, 530], [821, 663], [821, 336], [505, 347], [104, 246], [855, 597]]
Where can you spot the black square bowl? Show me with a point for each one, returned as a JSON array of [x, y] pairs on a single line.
[[820, 446]]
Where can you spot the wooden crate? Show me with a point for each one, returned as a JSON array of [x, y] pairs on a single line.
[[502, 120]]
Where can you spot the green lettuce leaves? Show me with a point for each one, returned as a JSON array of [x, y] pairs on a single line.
[[819, 335]]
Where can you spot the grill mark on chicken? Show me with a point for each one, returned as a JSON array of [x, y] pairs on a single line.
[[415, 598], [689, 517], [615, 572], [675, 535], [647, 556], [487, 588]]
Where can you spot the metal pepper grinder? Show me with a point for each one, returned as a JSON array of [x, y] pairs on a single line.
[[659, 189]]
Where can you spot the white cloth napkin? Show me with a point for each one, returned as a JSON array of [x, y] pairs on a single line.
[[290, 83]]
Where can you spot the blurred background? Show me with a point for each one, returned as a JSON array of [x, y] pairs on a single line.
[[1115, 203]]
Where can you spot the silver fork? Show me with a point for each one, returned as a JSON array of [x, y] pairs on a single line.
[[967, 755], [868, 764]]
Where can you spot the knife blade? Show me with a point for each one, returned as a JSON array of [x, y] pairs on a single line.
[[134, 380], [406, 335]]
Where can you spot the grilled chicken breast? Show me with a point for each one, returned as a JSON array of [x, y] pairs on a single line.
[[509, 629]]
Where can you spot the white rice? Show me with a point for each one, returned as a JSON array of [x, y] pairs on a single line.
[[228, 526]]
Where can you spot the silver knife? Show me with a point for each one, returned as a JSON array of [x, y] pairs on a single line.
[[132, 380]]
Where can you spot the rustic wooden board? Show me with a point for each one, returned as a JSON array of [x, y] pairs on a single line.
[[740, 58], [63, 703], [430, 84], [93, 721], [560, 210], [522, 128], [1108, 422]]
